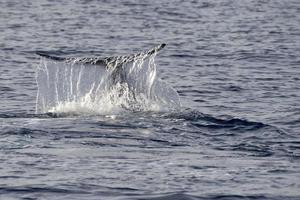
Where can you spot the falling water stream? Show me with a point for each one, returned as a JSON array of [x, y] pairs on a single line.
[[85, 88]]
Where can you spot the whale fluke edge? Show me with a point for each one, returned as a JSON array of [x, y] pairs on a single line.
[[106, 61]]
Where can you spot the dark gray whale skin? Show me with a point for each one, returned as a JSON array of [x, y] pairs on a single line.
[[107, 61]]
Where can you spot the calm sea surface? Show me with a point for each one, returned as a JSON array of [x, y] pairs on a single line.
[[235, 65]]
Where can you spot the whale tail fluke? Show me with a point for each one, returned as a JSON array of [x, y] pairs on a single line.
[[106, 61], [51, 57]]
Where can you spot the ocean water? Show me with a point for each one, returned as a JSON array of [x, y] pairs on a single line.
[[234, 64]]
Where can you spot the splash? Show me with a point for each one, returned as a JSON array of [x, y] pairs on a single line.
[[73, 87]]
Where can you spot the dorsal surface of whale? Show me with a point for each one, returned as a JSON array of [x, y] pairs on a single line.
[[107, 62]]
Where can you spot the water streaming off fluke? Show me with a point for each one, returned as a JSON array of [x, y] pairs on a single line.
[[77, 87]]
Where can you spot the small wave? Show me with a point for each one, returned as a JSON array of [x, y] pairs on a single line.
[[256, 150], [25, 115], [199, 119], [6, 89], [24, 190], [233, 88], [178, 196], [183, 196]]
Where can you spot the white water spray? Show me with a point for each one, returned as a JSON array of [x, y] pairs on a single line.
[[92, 89]]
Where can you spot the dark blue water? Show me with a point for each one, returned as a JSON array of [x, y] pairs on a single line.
[[235, 65]]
